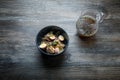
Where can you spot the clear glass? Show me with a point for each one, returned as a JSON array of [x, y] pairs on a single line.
[[88, 22]]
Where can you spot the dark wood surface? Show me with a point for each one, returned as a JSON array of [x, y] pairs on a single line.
[[96, 58]]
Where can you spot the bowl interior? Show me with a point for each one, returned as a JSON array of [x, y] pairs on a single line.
[[54, 29]]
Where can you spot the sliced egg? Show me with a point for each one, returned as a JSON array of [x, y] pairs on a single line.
[[43, 45], [61, 38]]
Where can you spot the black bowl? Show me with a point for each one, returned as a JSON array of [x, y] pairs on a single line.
[[54, 29]]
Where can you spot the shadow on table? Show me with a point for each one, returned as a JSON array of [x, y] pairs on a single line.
[[52, 61], [87, 41]]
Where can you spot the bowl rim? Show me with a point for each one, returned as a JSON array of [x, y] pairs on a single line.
[[50, 26]]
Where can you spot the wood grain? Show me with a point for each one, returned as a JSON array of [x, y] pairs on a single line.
[[96, 58]]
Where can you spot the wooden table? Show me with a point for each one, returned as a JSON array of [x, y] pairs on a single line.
[[96, 58]]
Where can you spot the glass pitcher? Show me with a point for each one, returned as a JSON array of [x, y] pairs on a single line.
[[88, 22]]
